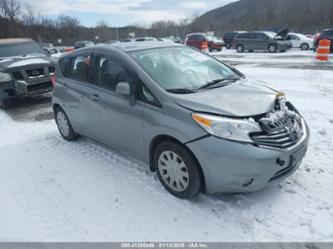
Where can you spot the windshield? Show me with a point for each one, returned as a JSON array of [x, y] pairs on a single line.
[[182, 67], [20, 49]]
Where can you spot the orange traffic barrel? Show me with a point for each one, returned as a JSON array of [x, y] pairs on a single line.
[[323, 50]]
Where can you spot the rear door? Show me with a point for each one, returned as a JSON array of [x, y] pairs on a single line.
[[76, 90], [261, 41], [119, 119], [249, 41]]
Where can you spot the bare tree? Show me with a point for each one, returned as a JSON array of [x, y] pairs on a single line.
[[10, 9]]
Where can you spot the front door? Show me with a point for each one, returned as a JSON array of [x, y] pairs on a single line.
[[119, 119]]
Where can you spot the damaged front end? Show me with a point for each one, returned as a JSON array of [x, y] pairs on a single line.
[[33, 81], [282, 128]]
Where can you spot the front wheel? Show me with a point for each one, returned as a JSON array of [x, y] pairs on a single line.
[[64, 126], [177, 170], [305, 46], [240, 48], [272, 48]]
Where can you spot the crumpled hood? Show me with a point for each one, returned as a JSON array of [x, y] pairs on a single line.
[[241, 99], [11, 63]]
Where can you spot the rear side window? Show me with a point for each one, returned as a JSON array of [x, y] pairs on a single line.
[[79, 68], [64, 64], [244, 36], [260, 36]]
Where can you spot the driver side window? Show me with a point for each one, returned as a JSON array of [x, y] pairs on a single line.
[[109, 72]]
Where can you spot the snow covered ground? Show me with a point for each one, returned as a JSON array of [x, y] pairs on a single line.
[[53, 190], [294, 58]]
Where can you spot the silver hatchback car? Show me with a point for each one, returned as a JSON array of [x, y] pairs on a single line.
[[198, 123]]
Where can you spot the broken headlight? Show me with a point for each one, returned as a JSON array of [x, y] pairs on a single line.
[[228, 128]]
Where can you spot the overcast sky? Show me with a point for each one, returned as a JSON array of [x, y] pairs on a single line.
[[124, 12]]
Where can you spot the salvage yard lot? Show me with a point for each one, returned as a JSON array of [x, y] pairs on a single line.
[[53, 190]]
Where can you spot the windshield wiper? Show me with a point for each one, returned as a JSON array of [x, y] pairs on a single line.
[[180, 91], [220, 82]]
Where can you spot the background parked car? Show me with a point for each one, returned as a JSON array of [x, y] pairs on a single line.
[[229, 38], [197, 40], [25, 70], [300, 41], [266, 41], [111, 42], [171, 38], [127, 40], [82, 44], [145, 39], [214, 43], [325, 34]]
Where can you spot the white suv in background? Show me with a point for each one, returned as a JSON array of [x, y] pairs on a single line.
[[300, 41]]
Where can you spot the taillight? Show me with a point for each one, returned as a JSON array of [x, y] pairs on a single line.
[[53, 80]]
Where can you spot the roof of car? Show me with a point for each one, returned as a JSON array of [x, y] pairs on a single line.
[[135, 46], [14, 40], [197, 33]]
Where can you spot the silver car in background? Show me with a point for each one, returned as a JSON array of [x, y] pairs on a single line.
[[198, 123]]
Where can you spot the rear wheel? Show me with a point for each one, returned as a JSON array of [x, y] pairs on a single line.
[[64, 126], [272, 48], [240, 48], [177, 170], [305, 46], [228, 45]]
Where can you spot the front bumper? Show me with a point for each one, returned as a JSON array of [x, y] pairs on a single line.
[[14, 89], [230, 167]]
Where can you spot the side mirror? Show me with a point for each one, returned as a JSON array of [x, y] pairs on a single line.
[[124, 88]]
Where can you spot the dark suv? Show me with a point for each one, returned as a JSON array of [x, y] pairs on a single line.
[[25, 69], [229, 38], [325, 34], [266, 41]]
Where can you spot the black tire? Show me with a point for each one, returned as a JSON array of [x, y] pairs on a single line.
[[272, 48], [71, 135], [305, 46], [228, 45], [6, 104], [219, 50], [240, 48], [192, 166]]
